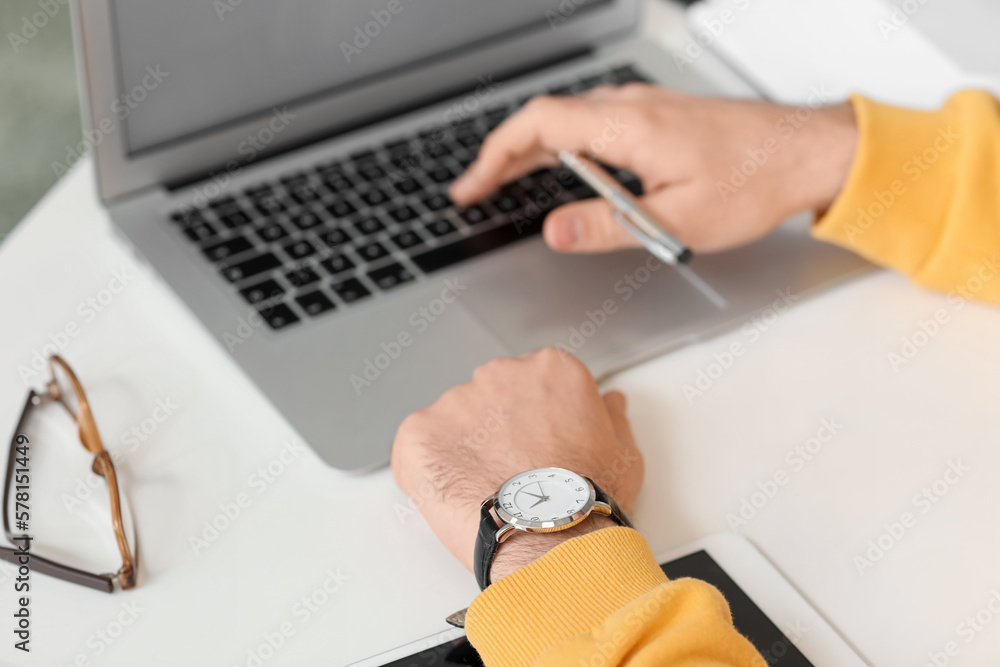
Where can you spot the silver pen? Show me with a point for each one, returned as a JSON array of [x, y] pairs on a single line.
[[662, 244], [627, 211]]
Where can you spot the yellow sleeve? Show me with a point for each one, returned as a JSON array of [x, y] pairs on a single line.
[[602, 599], [923, 196]]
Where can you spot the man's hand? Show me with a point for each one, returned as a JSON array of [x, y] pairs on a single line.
[[542, 409], [717, 173]]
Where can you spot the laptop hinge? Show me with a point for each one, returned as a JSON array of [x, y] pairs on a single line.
[[456, 91]]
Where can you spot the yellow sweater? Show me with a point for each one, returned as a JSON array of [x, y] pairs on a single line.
[[923, 197]]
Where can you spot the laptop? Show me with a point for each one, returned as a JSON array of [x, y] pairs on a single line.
[[284, 168], [766, 609]]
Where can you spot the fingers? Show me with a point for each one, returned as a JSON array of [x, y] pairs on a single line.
[[586, 226], [616, 405], [533, 137]]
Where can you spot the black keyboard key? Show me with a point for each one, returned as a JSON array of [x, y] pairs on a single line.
[[334, 238], [295, 178], [222, 203], [302, 276], [233, 218], [269, 205], [403, 214], [627, 74], [257, 191], [279, 316], [473, 215], [362, 156], [299, 249], [406, 239], [436, 202], [351, 290], [398, 146], [338, 183], [305, 220], [369, 171], [341, 209], [234, 246], [251, 267], [633, 185], [272, 232], [505, 203], [406, 186], [466, 248], [303, 193], [337, 264], [368, 226], [374, 197], [372, 251], [263, 291], [390, 276], [440, 227], [198, 231], [440, 174], [315, 303]]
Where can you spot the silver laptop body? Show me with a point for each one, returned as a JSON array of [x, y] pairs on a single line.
[[223, 133]]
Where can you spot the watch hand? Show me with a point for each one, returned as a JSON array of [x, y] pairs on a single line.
[[532, 494], [540, 500]]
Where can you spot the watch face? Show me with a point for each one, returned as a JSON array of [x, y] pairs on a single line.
[[544, 498]]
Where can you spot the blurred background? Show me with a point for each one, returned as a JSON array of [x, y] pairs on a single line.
[[40, 116]]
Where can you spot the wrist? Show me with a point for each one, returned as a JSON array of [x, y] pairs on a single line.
[[828, 146], [522, 548]]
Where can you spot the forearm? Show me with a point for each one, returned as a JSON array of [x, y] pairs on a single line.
[[923, 195]]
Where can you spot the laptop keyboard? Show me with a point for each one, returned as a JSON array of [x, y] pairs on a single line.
[[319, 240]]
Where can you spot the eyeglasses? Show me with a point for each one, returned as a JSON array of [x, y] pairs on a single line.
[[76, 404]]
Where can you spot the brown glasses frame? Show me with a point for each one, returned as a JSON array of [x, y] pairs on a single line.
[[102, 466]]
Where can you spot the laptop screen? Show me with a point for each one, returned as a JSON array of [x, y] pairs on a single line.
[[222, 61]]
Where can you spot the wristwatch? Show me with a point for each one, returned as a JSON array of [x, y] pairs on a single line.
[[543, 500]]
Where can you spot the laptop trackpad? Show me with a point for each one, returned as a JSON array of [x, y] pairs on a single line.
[[385, 362]]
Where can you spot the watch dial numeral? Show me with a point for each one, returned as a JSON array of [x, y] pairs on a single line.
[[532, 476], [579, 488], [515, 484], [552, 475], [534, 518], [571, 511], [579, 501], [568, 480]]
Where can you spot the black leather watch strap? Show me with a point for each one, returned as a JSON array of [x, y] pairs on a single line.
[[486, 545], [617, 513], [486, 540]]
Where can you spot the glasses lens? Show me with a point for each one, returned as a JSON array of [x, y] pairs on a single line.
[[69, 514]]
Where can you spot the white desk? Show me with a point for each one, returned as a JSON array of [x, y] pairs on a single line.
[[825, 358]]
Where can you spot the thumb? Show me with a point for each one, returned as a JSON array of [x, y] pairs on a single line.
[[586, 226], [615, 403]]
